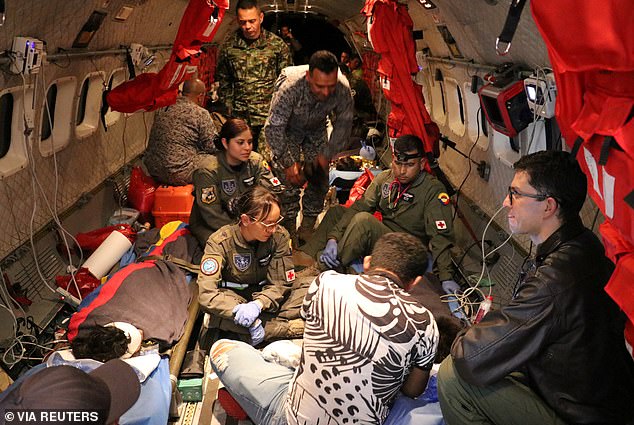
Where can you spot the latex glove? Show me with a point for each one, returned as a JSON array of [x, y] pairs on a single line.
[[451, 287], [257, 333], [245, 314], [329, 254], [294, 175]]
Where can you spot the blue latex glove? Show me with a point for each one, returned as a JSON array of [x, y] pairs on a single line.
[[257, 333], [451, 287], [245, 314], [329, 254]]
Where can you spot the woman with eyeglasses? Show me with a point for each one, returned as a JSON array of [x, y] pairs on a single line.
[[225, 176], [246, 279]]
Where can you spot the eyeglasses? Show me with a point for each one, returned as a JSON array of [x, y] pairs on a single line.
[[268, 225], [539, 196]]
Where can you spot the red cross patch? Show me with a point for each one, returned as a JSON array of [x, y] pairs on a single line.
[[290, 275], [441, 225], [275, 181]]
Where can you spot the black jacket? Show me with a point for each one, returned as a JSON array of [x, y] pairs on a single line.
[[562, 331]]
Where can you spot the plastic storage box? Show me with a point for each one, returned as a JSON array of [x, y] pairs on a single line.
[[172, 203]]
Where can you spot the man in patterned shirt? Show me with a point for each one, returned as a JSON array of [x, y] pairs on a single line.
[[365, 339], [181, 138], [297, 143], [249, 62]]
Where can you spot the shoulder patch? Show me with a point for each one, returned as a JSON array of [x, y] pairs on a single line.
[[444, 198], [208, 195], [290, 275], [265, 165], [209, 266]]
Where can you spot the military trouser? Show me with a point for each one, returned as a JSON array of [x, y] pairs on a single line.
[[507, 401], [315, 189], [358, 240], [286, 323]]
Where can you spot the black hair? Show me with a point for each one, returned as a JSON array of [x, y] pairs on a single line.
[[558, 175], [324, 61], [230, 129], [402, 254], [409, 143], [101, 343], [256, 202], [247, 4]]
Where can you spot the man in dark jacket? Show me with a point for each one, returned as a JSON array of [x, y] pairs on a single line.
[[556, 353]]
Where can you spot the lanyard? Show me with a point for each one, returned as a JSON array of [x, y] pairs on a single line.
[[399, 193]]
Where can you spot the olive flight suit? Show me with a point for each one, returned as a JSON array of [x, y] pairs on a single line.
[[421, 208], [217, 183], [234, 271]]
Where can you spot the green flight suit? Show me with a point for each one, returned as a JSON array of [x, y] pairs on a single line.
[[422, 209], [234, 271], [216, 183]]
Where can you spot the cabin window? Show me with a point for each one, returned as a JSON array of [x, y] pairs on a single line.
[[116, 78], [13, 141], [455, 107], [475, 120], [6, 113], [89, 104], [438, 106], [56, 123], [49, 111]]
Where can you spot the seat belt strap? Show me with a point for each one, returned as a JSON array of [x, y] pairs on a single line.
[[503, 42]]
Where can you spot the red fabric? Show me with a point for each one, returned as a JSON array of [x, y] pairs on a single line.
[[391, 36], [141, 94], [105, 295], [150, 91], [591, 49], [85, 281], [359, 188], [90, 241]]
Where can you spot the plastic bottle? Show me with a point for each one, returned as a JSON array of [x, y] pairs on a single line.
[[485, 306]]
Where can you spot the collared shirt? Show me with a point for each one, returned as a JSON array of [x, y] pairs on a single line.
[[266, 267], [296, 114], [247, 72], [179, 134], [423, 209], [216, 183], [363, 335]]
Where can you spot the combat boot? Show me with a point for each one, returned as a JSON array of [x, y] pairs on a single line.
[[306, 229]]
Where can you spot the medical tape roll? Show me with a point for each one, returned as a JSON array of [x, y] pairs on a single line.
[[109, 252]]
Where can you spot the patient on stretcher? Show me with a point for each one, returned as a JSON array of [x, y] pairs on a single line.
[[145, 300]]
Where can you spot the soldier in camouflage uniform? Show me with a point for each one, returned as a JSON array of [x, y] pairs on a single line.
[[224, 177], [181, 138], [249, 62], [409, 199], [296, 137], [247, 275]]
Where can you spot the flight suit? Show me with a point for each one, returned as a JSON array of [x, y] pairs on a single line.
[[421, 209], [234, 271], [216, 183]]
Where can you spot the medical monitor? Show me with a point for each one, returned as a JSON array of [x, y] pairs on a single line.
[[506, 108]]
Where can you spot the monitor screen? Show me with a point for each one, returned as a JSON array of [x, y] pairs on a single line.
[[490, 104]]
